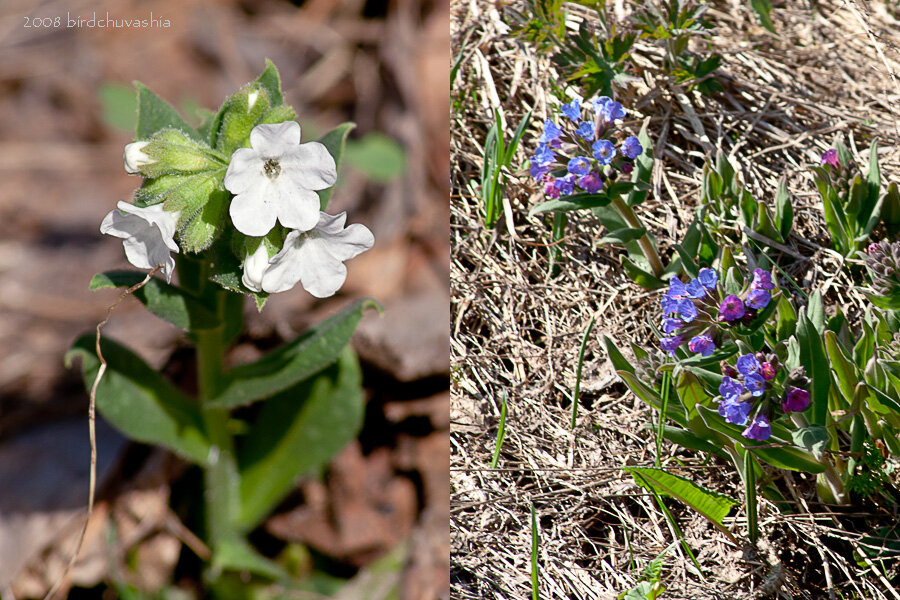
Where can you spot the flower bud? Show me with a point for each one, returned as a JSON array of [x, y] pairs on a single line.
[[135, 157]]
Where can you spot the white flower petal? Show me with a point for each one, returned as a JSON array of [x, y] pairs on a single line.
[[315, 258], [135, 157], [310, 166], [254, 267], [297, 208], [274, 140], [147, 235], [252, 213], [244, 171]]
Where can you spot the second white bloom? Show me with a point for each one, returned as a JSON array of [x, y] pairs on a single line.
[[276, 180], [314, 258]]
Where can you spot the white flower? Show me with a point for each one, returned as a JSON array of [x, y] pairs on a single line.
[[276, 179], [148, 233], [313, 258], [135, 157]]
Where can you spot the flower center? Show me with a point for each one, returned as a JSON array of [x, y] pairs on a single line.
[[271, 168]]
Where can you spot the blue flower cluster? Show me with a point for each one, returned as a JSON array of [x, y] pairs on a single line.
[[733, 308], [579, 153], [750, 380], [687, 310]]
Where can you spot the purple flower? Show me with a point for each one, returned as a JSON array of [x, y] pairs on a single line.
[[758, 429], [755, 384], [702, 344], [551, 190], [731, 309], [631, 147], [767, 371], [586, 131], [579, 166], [687, 312], [565, 185], [572, 110], [873, 248], [627, 168], [608, 109], [604, 151], [591, 183], [758, 298], [708, 278], [796, 400], [671, 344], [731, 389], [695, 289], [551, 134], [670, 325], [677, 289], [747, 364], [762, 280], [729, 371], [829, 157]]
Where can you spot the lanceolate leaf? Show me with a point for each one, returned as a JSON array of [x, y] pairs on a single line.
[[155, 114], [712, 505], [293, 362], [139, 402], [166, 301], [297, 431], [815, 361]]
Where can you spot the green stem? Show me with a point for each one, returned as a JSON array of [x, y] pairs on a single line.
[[647, 246]]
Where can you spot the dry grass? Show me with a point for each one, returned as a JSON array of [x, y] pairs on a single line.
[[516, 330]]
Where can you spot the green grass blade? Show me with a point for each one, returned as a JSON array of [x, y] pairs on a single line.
[[749, 477], [576, 391], [501, 433]]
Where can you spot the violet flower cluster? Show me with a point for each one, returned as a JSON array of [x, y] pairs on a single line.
[[582, 153], [695, 312], [751, 394]]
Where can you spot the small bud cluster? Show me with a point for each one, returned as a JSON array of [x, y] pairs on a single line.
[[581, 153], [749, 391], [696, 313], [883, 262], [841, 175]]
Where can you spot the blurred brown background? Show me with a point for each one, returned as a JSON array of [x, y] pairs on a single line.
[[380, 63]]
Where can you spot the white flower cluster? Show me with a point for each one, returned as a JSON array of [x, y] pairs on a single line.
[[274, 180]]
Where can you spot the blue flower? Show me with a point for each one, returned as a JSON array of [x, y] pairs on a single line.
[[565, 185], [677, 289], [572, 110], [591, 183], [608, 109], [671, 344], [695, 289], [604, 151], [586, 131], [758, 429], [734, 412], [631, 147], [731, 309], [755, 384], [541, 161], [687, 312], [747, 364], [702, 344], [731, 389], [708, 278], [669, 304], [579, 166], [670, 325], [551, 134], [758, 298]]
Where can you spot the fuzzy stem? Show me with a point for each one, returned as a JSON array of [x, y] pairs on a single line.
[[644, 241]]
